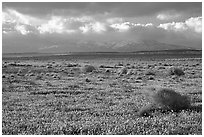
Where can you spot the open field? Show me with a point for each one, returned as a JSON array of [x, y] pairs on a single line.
[[60, 96]]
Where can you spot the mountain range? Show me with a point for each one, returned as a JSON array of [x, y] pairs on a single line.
[[114, 46], [91, 46]]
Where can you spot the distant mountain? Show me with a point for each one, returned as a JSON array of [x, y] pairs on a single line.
[[126, 46], [150, 45], [95, 46]]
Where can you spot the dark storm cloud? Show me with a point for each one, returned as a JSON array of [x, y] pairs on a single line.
[[123, 9]]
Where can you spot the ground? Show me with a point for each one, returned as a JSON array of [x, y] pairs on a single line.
[[57, 96]]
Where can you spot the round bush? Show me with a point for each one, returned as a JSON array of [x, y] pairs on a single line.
[[108, 71], [170, 99], [151, 78], [88, 68], [176, 71], [88, 80], [123, 70], [165, 100], [3, 76]]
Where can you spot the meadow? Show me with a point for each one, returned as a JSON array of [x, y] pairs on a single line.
[[98, 96]]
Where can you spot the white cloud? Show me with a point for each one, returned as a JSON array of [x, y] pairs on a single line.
[[13, 21], [176, 26], [22, 29], [121, 27], [63, 24], [168, 15], [5, 32], [6, 18], [142, 25], [97, 27], [88, 27], [85, 28], [148, 25], [80, 19], [55, 25], [20, 18], [193, 23], [10, 15], [58, 24], [125, 26]]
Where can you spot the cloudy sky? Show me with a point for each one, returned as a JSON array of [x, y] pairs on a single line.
[[34, 27]]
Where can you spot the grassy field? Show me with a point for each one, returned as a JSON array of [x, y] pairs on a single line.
[[41, 97]]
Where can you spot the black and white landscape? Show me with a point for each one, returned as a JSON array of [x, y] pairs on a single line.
[[91, 68]]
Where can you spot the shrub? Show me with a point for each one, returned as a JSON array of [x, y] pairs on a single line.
[[176, 71], [161, 67], [88, 68], [88, 80], [72, 65], [150, 72], [108, 71], [123, 70], [48, 67], [151, 78], [139, 78], [120, 64], [168, 98], [3, 76], [165, 100], [130, 72]]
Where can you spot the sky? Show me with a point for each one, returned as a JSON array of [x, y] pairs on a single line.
[[40, 26]]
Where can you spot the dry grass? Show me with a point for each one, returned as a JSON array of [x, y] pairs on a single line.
[[96, 103], [146, 110]]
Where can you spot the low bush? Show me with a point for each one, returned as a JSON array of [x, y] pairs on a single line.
[[88, 80], [176, 71], [3, 76], [150, 72], [108, 71], [88, 68], [151, 78], [170, 99], [165, 100], [72, 65], [122, 71]]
